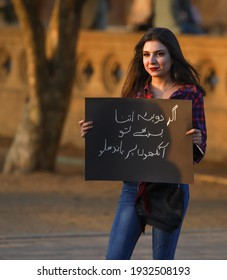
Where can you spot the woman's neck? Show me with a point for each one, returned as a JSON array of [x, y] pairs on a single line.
[[162, 88], [161, 84]]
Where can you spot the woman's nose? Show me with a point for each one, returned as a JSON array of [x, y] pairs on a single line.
[[152, 59]]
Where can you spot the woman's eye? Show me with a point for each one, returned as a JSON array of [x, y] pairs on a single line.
[[160, 53], [146, 54]]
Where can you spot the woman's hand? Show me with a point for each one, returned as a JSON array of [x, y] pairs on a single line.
[[85, 127], [196, 135]]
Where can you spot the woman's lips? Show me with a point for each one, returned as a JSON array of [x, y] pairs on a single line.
[[154, 68]]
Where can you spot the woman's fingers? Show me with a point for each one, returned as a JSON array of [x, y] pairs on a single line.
[[85, 126], [196, 135], [81, 122], [189, 132]]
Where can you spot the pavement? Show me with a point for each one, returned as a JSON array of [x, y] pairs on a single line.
[[203, 244], [194, 244]]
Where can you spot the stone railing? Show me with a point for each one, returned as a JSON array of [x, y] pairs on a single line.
[[102, 62]]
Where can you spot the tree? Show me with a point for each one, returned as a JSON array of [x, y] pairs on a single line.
[[51, 55]]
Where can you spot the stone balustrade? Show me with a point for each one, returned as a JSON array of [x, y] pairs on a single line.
[[101, 65]]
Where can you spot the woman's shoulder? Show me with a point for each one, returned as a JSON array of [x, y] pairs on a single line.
[[188, 92], [192, 89]]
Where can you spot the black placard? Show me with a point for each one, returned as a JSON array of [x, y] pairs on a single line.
[[139, 140]]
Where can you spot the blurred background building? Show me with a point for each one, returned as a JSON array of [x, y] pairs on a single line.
[[110, 29]]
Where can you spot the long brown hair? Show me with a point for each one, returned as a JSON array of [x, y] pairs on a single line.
[[182, 71]]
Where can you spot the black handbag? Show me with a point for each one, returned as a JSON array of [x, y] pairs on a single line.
[[160, 205]]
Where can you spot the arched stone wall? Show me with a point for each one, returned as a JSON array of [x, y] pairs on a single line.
[[101, 65]]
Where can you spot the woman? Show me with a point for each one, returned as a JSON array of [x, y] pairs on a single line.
[[157, 70]]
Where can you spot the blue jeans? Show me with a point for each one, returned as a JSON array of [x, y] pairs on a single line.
[[126, 229]]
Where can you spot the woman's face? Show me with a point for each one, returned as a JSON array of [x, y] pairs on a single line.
[[156, 59]]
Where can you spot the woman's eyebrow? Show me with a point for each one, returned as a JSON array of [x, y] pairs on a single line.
[[159, 50]]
